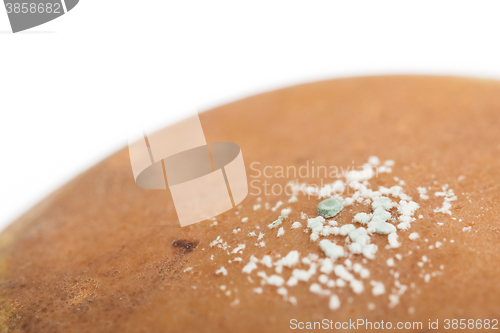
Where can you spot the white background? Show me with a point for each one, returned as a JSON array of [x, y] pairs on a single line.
[[70, 89]]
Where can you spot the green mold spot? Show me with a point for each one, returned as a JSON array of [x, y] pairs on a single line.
[[330, 207]]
